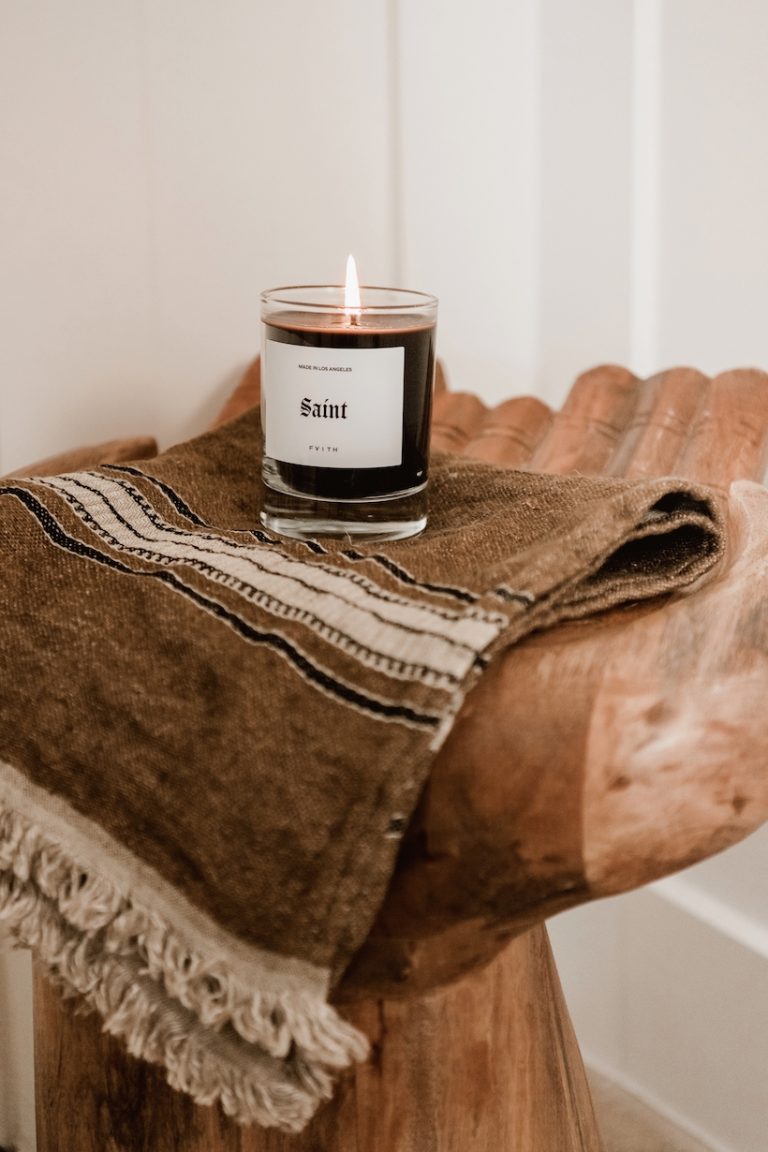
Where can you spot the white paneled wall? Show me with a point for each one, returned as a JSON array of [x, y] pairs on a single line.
[[668, 991], [584, 244], [162, 162], [578, 182], [468, 104], [713, 232]]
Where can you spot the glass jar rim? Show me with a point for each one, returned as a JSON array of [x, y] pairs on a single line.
[[301, 296]]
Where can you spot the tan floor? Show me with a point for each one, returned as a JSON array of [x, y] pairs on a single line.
[[628, 1125]]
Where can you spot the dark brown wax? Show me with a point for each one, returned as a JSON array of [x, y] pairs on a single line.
[[418, 341]]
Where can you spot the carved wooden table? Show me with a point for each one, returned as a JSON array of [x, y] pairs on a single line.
[[589, 760]]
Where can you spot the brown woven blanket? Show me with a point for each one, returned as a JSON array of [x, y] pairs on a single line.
[[211, 739]]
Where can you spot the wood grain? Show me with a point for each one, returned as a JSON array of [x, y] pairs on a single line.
[[490, 1063], [456, 417], [727, 441], [586, 432], [658, 429], [510, 433]]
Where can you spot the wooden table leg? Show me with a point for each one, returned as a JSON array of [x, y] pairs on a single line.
[[490, 1063]]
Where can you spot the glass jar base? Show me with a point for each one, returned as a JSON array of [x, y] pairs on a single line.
[[309, 518]]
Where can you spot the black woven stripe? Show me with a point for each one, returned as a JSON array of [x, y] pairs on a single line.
[[208, 569], [185, 510], [179, 504], [151, 512], [460, 594], [405, 577], [509, 596], [274, 640], [370, 588]]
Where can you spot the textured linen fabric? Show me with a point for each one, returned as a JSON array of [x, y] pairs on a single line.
[[212, 738]]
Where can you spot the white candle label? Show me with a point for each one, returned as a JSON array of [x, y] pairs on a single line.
[[333, 407]]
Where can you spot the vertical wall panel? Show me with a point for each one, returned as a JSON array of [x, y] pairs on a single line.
[[161, 164], [645, 199], [269, 161], [713, 289], [73, 278], [586, 157], [516, 176], [469, 110]]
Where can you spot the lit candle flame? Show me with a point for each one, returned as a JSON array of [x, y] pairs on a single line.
[[352, 304]]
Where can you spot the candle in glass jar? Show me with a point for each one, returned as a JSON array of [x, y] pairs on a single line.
[[346, 406]]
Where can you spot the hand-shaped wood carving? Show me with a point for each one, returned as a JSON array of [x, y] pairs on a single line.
[[601, 755]]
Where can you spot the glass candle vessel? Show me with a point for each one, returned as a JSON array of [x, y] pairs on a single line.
[[346, 405]]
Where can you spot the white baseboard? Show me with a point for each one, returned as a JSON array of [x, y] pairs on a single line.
[[681, 1019], [714, 912], [660, 1106]]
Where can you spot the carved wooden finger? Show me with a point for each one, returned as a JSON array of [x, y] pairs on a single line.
[[456, 418], [511, 432], [587, 430], [658, 431], [727, 441]]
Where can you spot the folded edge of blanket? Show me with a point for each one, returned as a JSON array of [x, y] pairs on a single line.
[[267, 1057]]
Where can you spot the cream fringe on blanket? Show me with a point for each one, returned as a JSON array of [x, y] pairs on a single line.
[[266, 1057]]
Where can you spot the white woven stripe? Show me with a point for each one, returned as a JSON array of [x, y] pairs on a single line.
[[404, 638]]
